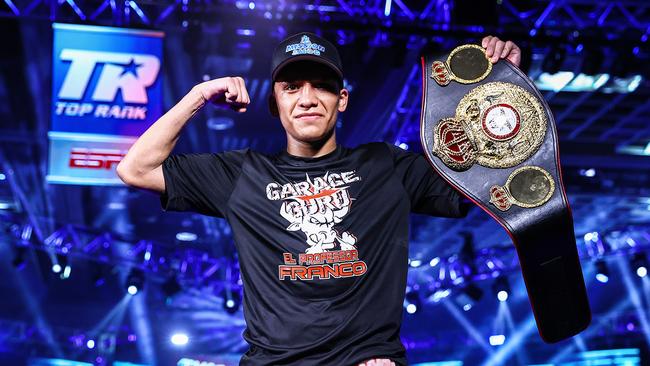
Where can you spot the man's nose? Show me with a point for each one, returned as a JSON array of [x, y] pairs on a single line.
[[308, 96]]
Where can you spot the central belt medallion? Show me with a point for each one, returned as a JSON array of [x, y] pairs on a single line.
[[497, 125]]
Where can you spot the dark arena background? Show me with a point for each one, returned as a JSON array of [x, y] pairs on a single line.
[[95, 273]]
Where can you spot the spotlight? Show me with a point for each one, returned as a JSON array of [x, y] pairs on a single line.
[[186, 236], [640, 264], [171, 287], [90, 344], [134, 281], [469, 296], [415, 263], [56, 268], [66, 272], [592, 236], [231, 301], [179, 339], [412, 302], [439, 294], [497, 340], [602, 272], [501, 288]]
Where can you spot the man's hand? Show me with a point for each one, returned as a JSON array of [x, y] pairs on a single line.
[[229, 92], [496, 49]]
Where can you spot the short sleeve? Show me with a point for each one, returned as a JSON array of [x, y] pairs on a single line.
[[200, 182], [430, 194]]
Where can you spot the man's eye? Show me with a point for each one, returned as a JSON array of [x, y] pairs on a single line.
[[291, 87], [326, 86]]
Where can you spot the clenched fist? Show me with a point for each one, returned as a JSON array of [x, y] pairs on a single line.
[[228, 92]]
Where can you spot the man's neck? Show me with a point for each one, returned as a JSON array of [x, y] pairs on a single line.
[[311, 149]]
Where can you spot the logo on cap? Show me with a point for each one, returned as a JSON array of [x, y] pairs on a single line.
[[305, 47]]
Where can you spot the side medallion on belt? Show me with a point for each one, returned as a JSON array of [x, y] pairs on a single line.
[[528, 186], [466, 64]]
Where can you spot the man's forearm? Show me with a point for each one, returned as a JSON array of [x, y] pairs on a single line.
[[158, 141]]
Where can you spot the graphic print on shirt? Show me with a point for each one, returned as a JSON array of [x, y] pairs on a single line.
[[315, 206]]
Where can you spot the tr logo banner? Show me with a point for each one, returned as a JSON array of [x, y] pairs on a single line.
[[106, 91], [126, 72], [106, 80]]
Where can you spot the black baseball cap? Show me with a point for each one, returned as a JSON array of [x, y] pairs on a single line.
[[306, 46]]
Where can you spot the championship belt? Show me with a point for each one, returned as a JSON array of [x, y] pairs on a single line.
[[488, 131]]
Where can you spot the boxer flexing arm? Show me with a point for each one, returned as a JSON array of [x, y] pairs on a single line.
[[142, 165]]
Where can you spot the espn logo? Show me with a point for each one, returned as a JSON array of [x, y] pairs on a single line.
[[95, 158]]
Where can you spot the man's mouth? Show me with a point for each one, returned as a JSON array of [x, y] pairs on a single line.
[[309, 116]]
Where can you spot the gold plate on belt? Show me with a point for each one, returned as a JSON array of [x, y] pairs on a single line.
[[528, 186], [466, 64], [502, 124]]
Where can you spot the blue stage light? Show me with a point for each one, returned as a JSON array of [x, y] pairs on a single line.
[[231, 300], [66, 272], [132, 290], [640, 264], [186, 236], [179, 339], [602, 273], [502, 295], [134, 281], [501, 288], [412, 302], [387, 7], [411, 308], [497, 340]]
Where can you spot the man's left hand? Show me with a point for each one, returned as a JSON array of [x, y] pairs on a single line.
[[496, 49]]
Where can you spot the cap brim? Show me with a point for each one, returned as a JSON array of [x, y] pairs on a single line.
[[306, 57]]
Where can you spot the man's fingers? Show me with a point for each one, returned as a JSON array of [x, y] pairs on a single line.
[[491, 45], [498, 48], [240, 93], [244, 93], [506, 49], [239, 105], [232, 91], [485, 41]]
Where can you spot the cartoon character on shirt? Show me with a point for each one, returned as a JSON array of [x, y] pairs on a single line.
[[315, 207]]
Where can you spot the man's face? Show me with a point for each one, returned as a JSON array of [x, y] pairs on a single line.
[[308, 98]]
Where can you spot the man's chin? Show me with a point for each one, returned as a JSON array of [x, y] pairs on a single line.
[[314, 136]]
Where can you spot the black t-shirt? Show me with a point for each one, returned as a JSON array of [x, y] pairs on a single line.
[[322, 243]]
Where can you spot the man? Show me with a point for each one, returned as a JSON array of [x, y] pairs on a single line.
[[321, 229]]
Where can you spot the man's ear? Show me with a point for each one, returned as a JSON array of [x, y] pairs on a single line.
[[343, 99], [273, 106]]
